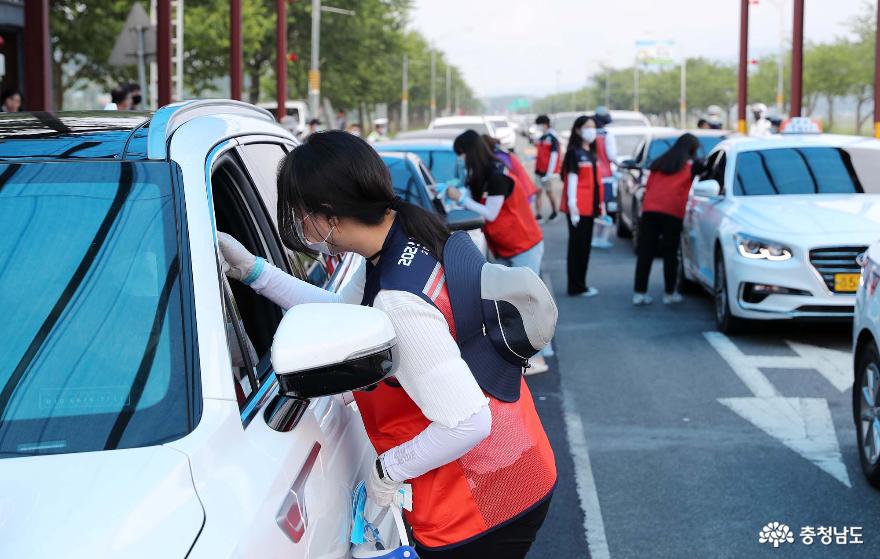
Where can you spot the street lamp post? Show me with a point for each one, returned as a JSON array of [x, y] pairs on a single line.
[[742, 77], [448, 109], [433, 82], [315, 67], [797, 58], [404, 96]]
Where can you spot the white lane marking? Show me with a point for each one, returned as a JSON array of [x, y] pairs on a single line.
[[833, 364], [594, 526], [802, 424]]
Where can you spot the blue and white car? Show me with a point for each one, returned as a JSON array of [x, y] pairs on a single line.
[[140, 413], [774, 227]]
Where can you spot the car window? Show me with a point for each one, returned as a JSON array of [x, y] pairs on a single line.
[[808, 170], [239, 212], [627, 144], [443, 164], [405, 183], [96, 356], [707, 144], [657, 147], [719, 168]]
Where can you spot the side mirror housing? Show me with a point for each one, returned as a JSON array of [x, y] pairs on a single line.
[[464, 220], [321, 349], [627, 163], [707, 188]]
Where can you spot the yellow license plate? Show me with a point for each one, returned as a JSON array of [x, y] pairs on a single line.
[[846, 283]]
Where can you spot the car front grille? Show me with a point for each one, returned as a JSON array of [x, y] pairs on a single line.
[[835, 260]]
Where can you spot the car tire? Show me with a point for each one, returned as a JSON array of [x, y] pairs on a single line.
[[623, 231], [867, 386], [634, 230], [685, 284], [724, 319]]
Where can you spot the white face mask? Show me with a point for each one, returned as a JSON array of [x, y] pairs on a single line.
[[321, 246], [588, 134], [542, 128]]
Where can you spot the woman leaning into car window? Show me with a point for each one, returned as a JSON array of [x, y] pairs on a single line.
[[432, 425]]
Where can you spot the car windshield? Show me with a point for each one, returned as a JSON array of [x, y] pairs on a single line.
[[479, 127], [627, 144], [707, 144], [499, 123], [95, 358], [658, 147], [807, 170], [405, 183], [627, 122]]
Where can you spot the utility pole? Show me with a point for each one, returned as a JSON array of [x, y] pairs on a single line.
[[315, 68], [37, 56], [281, 58], [235, 50], [797, 58], [178, 50], [433, 82], [877, 81], [636, 86], [404, 96], [163, 50], [742, 77], [682, 105], [608, 88], [780, 62], [448, 110]]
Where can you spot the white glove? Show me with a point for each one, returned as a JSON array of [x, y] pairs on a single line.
[[236, 261], [574, 217], [384, 492], [545, 179]]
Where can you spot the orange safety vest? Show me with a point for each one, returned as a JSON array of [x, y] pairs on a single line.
[[515, 230], [602, 156], [505, 476], [668, 194], [545, 148], [589, 194]]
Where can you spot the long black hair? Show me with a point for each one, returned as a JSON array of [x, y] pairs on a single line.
[[478, 159], [673, 159], [337, 174], [575, 141]]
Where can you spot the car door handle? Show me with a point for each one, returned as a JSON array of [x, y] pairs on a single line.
[[292, 517]]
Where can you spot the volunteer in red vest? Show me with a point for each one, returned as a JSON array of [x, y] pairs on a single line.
[[663, 208], [513, 234], [547, 163], [481, 469], [581, 201], [513, 164]]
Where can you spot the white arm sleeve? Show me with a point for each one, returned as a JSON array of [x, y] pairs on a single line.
[[611, 148], [430, 367], [489, 210], [572, 183], [286, 291], [437, 446], [551, 165]]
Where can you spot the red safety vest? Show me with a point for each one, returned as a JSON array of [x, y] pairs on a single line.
[[602, 156], [668, 194], [589, 194], [542, 160], [503, 477], [515, 230]]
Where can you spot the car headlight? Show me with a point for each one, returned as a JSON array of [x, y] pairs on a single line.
[[758, 249]]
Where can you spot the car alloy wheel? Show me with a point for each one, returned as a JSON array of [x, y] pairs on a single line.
[[868, 411], [725, 321]]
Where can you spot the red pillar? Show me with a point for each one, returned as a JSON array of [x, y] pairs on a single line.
[[743, 76], [38, 77], [877, 81], [163, 50], [797, 59], [281, 57], [235, 53]]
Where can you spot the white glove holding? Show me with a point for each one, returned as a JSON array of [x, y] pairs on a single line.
[[236, 261], [384, 492], [545, 178], [574, 217]]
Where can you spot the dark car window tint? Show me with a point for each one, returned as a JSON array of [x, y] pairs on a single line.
[[95, 358], [707, 144], [813, 170], [263, 161], [658, 147]]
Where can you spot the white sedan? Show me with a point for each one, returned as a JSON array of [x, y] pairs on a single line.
[[140, 408], [866, 381], [774, 227]]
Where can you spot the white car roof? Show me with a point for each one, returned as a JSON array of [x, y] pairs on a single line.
[[640, 130], [745, 143], [461, 119]]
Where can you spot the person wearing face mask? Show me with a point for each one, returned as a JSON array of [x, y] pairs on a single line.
[[136, 97], [582, 201], [480, 488], [513, 164], [606, 151], [547, 164]]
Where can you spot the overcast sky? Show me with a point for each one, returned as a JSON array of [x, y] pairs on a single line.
[[517, 46]]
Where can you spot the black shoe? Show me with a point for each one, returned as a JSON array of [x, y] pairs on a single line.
[[553, 216]]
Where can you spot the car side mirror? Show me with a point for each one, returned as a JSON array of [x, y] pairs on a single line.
[[464, 220], [627, 163], [707, 188], [322, 349]]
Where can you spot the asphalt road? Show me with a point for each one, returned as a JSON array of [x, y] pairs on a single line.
[[680, 442]]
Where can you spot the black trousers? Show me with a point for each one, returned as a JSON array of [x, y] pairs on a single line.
[[508, 542], [659, 235], [579, 241]]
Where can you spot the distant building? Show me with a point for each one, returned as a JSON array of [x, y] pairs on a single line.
[[12, 47]]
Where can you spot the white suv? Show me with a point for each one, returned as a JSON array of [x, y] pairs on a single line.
[[140, 413]]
